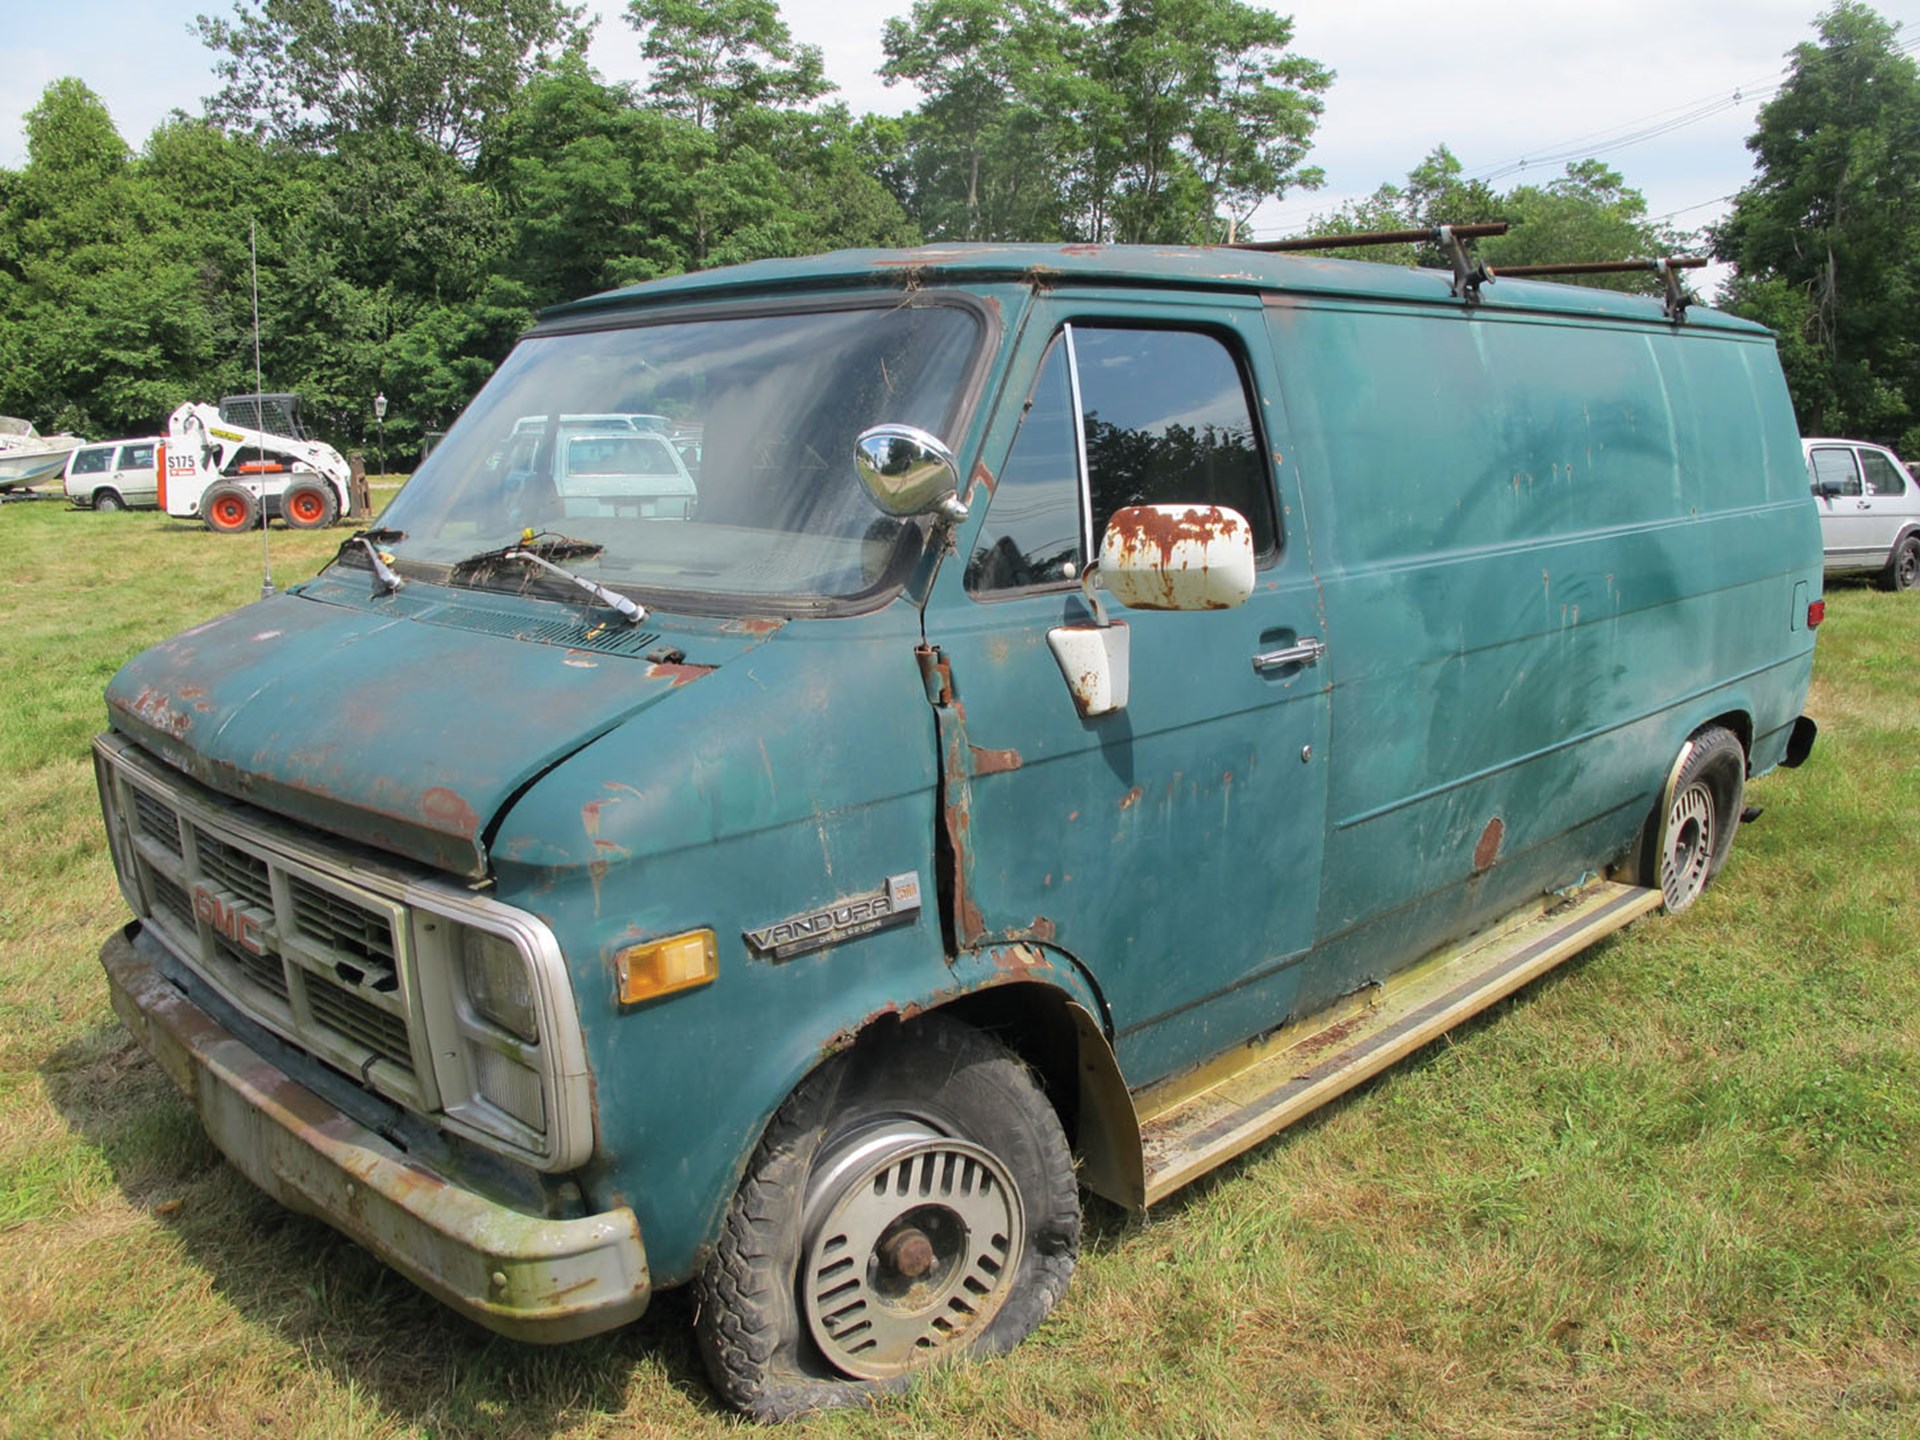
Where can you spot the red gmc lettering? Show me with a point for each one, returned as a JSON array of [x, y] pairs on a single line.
[[229, 920]]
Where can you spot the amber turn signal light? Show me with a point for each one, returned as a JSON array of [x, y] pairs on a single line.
[[660, 967]]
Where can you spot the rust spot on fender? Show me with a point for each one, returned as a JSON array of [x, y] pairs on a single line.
[[678, 675], [1130, 799], [751, 625], [1488, 850], [994, 762], [447, 811]]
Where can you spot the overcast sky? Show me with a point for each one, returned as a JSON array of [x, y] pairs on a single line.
[[1500, 83]]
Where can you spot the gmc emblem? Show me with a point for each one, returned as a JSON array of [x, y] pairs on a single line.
[[229, 920]]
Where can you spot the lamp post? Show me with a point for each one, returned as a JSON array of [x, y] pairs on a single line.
[[380, 418]]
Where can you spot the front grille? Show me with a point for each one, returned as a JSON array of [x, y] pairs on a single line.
[[157, 820], [341, 925], [171, 898], [354, 1018], [316, 959], [233, 870]]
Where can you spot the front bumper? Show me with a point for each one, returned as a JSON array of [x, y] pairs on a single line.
[[527, 1277]]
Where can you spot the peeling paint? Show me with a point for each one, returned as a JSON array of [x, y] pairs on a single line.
[[445, 810], [156, 708], [1488, 850], [994, 762], [678, 675]]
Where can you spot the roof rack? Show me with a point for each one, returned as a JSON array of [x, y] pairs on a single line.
[[1667, 268], [1468, 276]]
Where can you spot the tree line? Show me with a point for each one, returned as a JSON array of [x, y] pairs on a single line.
[[422, 176]]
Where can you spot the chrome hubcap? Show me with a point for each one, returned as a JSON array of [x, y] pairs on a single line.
[[1689, 846], [911, 1242]]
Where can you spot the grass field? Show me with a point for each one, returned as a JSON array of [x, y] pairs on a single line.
[[1668, 1191]]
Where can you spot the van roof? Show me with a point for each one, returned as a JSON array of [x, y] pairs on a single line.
[[1190, 267]]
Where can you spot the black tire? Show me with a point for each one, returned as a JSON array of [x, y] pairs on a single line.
[[229, 509], [1903, 566], [789, 1320], [309, 505], [1692, 831], [108, 501]]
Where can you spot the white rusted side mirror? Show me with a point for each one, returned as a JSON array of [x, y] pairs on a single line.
[[1094, 661], [1177, 557], [1153, 557]]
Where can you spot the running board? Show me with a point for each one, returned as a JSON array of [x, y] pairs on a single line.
[[1193, 1123]]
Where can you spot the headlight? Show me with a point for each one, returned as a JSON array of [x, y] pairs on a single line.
[[501, 1031], [497, 983]]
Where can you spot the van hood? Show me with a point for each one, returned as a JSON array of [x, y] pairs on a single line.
[[405, 723]]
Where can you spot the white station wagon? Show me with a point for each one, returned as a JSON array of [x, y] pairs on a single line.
[[1869, 510], [116, 474]]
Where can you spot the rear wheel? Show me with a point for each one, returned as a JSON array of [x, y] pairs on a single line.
[[309, 505], [912, 1202], [1702, 811], [1903, 568], [108, 500], [229, 509]]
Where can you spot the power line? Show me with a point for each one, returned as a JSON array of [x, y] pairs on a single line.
[[1629, 133]]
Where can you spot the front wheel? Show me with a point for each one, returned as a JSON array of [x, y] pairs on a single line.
[[911, 1203], [1903, 567], [229, 509], [309, 505], [1703, 805]]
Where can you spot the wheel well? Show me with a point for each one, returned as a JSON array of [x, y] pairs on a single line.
[[1034, 1023], [1063, 1046], [1740, 723]]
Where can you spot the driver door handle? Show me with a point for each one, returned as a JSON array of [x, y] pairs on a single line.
[[1304, 651]]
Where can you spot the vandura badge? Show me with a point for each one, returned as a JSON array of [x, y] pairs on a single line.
[[895, 903]]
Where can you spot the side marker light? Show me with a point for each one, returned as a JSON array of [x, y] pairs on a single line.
[[660, 967]]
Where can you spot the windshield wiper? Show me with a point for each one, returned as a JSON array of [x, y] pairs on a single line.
[[534, 549], [385, 581]]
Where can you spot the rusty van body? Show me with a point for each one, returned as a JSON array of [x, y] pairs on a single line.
[[1081, 710]]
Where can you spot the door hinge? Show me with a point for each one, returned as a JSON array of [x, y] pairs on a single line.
[[935, 673]]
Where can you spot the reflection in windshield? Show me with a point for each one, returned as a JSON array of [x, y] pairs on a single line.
[[710, 458]]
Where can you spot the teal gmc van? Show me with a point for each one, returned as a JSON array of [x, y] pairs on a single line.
[[1081, 709]]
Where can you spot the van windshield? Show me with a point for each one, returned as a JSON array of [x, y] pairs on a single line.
[[710, 460]]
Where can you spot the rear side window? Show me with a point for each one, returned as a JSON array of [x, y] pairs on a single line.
[[136, 457], [93, 462], [1883, 477], [1162, 417], [1831, 465]]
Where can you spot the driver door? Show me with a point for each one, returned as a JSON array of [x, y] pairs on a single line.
[[1172, 847]]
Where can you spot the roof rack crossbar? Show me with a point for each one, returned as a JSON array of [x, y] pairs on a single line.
[[1468, 276], [1430, 235], [1668, 268]]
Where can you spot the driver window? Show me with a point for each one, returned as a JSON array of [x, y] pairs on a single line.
[[1832, 465], [1167, 418]]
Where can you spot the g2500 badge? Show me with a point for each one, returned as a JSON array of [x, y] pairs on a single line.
[[895, 903]]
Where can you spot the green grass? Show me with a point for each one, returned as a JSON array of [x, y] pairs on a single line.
[[1668, 1191]]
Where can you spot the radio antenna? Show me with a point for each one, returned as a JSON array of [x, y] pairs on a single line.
[[260, 445]]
